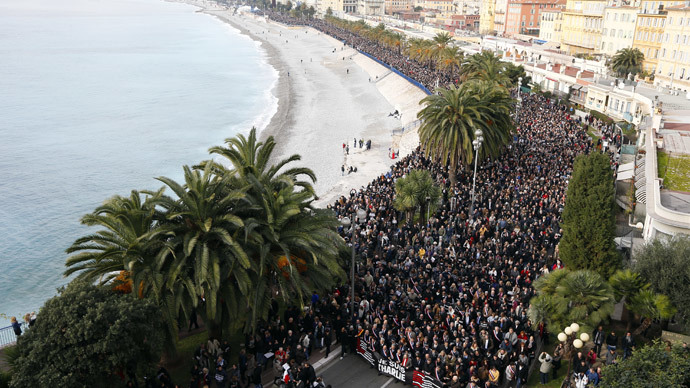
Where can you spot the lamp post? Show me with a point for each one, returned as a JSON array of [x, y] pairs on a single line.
[[477, 144], [428, 205], [358, 216], [571, 343]]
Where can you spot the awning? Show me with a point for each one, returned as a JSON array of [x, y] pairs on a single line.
[[625, 175], [626, 167], [551, 79], [576, 87]]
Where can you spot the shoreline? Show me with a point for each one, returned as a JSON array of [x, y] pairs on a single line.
[[341, 96]]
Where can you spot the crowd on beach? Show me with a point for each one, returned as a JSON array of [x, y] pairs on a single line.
[[422, 73]]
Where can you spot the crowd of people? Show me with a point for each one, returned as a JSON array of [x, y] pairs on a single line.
[[422, 73], [447, 295]]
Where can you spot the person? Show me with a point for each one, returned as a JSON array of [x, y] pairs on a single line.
[[591, 357], [628, 345], [32, 321], [611, 357], [557, 355], [342, 170], [327, 340], [611, 341], [545, 367], [344, 342], [580, 380], [593, 377], [598, 339], [16, 326]]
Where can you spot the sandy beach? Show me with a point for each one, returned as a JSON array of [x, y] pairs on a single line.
[[329, 95]]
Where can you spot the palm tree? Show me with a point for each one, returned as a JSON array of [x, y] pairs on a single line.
[[451, 117], [650, 306], [202, 249], [626, 284], [293, 248], [129, 244], [565, 296], [248, 156], [127, 223], [450, 59], [438, 44], [417, 190], [485, 66], [627, 61]]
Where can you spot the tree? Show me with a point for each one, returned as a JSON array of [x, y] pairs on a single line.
[[89, 334], [666, 266], [451, 117], [655, 365], [514, 72], [293, 248], [485, 66], [626, 61], [329, 12], [626, 284], [565, 296], [202, 250], [416, 190], [589, 217], [418, 8], [650, 306]]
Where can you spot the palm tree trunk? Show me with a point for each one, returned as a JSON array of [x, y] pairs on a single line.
[[453, 174], [644, 326]]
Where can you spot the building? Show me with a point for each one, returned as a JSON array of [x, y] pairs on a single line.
[[649, 31], [551, 24], [619, 29], [443, 7], [583, 21], [336, 7], [370, 7], [467, 7], [673, 70], [500, 14], [524, 16], [392, 7], [486, 16], [349, 6]]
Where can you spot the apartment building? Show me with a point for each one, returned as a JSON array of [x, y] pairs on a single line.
[[336, 7], [524, 16], [551, 24], [649, 32], [619, 29], [370, 7], [500, 14], [673, 69], [486, 16], [583, 21], [396, 6], [444, 7]]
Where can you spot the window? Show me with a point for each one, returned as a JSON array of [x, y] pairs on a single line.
[[613, 32], [663, 53]]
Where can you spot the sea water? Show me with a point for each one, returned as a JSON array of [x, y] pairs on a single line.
[[98, 97]]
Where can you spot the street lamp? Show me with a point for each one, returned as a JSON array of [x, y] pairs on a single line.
[[428, 205], [477, 144], [571, 343], [359, 216]]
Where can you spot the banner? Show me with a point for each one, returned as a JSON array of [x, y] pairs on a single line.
[[418, 379], [421, 379], [364, 351], [392, 369]]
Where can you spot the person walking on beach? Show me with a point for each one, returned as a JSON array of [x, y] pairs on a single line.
[[347, 150], [342, 170]]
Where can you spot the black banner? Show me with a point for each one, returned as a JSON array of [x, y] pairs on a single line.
[[418, 379], [421, 379], [392, 368], [364, 351]]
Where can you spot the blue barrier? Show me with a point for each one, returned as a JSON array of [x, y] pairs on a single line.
[[7, 336], [396, 71]]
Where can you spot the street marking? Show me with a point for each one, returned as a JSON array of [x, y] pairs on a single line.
[[387, 382]]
